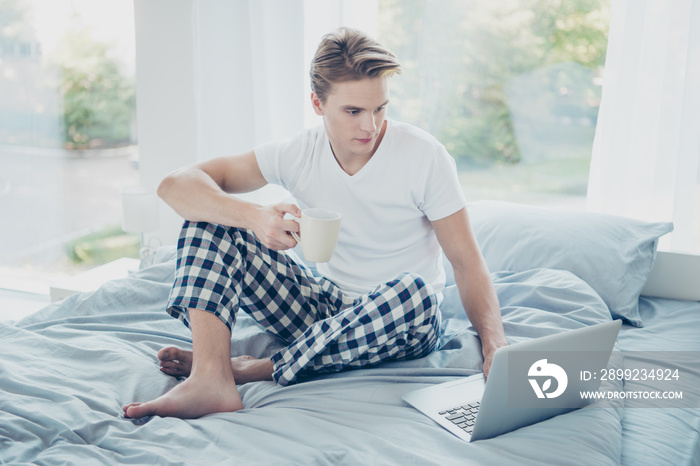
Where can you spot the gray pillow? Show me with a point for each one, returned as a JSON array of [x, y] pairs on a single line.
[[614, 255]]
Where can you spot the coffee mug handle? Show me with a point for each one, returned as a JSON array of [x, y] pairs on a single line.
[[294, 234]]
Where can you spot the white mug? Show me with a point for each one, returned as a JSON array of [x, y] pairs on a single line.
[[318, 235]]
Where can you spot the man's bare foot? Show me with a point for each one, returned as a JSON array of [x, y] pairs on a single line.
[[178, 362], [175, 361], [249, 369], [193, 398]]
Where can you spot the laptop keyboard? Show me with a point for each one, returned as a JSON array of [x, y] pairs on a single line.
[[462, 416]]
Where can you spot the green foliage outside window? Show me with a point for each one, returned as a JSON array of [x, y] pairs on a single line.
[[499, 81], [107, 244], [99, 101]]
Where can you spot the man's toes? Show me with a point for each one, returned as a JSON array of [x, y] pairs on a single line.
[[135, 410], [171, 364], [166, 354], [243, 358], [173, 369], [176, 355], [125, 408], [139, 410]]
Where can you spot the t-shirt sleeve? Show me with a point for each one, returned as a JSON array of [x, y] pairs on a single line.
[[443, 194], [280, 161], [268, 157]]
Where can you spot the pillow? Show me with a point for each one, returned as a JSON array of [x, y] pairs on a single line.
[[612, 254]]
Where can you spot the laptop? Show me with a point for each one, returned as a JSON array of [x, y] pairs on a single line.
[[547, 376]]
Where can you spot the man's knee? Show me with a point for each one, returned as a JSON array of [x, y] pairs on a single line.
[[422, 313], [414, 291], [207, 229], [212, 236], [193, 233]]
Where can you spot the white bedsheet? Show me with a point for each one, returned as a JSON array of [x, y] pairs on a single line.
[[66, 371]]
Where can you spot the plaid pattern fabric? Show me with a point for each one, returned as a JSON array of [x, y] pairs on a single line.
[[223, 269]]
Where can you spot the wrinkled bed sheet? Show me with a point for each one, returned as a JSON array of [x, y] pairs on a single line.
[[663, 436], [66, 371]]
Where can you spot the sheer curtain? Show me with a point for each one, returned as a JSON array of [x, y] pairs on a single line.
[[217, 77], [646, 152]]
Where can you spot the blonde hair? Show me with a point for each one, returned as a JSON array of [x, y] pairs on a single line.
[[349, 55]]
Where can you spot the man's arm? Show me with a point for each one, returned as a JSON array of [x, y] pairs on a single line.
[[202, 192], [475, 287]]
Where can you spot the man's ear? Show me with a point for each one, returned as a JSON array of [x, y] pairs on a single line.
[[316, 104]]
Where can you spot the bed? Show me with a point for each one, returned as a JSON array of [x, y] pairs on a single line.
[[66, 370]]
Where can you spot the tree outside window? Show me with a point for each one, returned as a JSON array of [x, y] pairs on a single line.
[[512, 88]]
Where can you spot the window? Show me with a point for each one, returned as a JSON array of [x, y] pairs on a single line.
[[512, 89], [67, 137]]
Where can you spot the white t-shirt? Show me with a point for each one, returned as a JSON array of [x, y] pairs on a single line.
[[386, 207]]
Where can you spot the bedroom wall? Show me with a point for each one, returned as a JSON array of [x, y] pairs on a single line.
[[166, 110], [214, 78]]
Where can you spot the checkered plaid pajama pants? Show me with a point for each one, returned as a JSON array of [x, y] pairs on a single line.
[[223, 269]]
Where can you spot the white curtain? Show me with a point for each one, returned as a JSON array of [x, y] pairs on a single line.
[[646, 152], [217, 77], [251, 66], [248, 73]]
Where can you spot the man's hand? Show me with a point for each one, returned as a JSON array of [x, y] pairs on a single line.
[[488, 353], [272, 229]]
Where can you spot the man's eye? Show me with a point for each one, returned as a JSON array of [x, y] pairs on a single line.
[[353, 112]]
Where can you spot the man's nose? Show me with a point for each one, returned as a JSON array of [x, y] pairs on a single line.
[[368, 124]]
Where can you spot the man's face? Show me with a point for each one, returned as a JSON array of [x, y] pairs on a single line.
[[353, 114]]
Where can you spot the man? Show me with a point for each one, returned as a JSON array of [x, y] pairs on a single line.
[[377, 299]]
